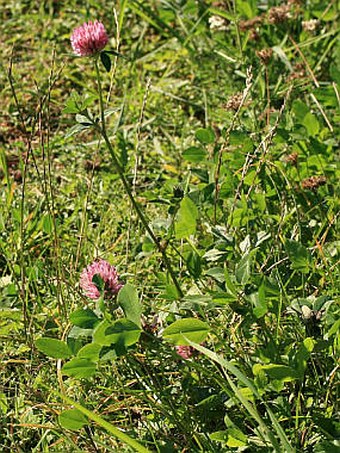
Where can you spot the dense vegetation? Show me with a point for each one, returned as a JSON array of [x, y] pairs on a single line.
[[208, 177]]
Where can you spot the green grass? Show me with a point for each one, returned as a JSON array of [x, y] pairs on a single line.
[[243, 202]]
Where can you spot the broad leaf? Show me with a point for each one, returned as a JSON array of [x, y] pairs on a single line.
[[185, 224], [122, 332], [90, 351], [244, 267], [84, 318], [79, 368], [298, 255], [205, 136], [53, 348], [193, 329], [72, 419], [194, 154], [280, 372]]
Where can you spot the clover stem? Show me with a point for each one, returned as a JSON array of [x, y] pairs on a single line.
[[102, 130]]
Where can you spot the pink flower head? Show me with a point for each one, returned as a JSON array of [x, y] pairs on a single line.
[[107, 273], [89, 39], [185, 351]]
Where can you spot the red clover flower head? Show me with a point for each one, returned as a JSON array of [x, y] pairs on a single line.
[[107, 273], [89, 39], [185, 351]]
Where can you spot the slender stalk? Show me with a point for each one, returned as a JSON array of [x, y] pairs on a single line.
[[102, 130]]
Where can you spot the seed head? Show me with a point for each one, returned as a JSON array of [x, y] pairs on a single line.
[[313, 182], [278, 14], [265, 55], [292, 158], [310, 25]]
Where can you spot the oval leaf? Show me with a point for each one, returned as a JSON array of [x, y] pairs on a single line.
[[72, 419], [79, 368], [299, 256], [185, 224], [194, 154], [90, 351], [280, 372], [128, 300], [53, 347], [193, 329], [86, 319], [205, 136], [122, 332]]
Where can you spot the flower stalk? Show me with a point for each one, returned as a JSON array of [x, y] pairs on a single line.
[[101, 128]]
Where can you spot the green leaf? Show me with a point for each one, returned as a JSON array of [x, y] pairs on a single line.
[[83, 120], [84, 318], [193, 329], [230, 287], [90, 351], [217, 273], [244, 267], [219, 436], [303, 354], [185, 224], [223, 13], [129, 301], [79, 368], [260, 303], [205, 136], [193, 262], [87, 101], [300, 110], [194, 154], [53, 348], [236, 438], [106, 60], [244, 8], [76, 129], [280, 372], [73, 104], [241, 140], [298, 255], [122, 332], [4, 404], [312, 124], [72, 419], [78, 104]]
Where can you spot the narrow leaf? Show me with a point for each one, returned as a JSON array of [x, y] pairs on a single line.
[[106, 60], [129, 301]]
